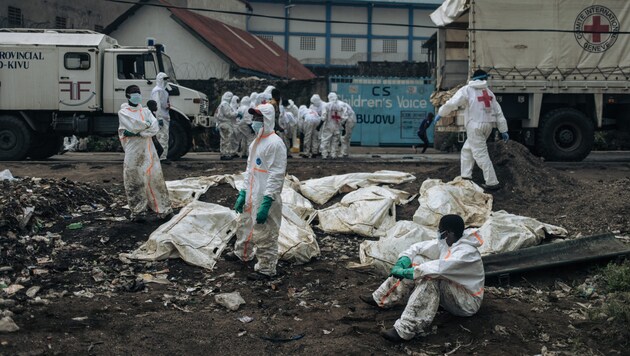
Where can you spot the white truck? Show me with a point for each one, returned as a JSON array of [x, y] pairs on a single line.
[[559, 68], [56, 83]]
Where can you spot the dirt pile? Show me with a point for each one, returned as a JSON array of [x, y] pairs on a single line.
[[30, 204]]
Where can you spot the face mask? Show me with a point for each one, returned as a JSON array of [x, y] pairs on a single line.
[[135, 98], [441, 235], [257, 125]]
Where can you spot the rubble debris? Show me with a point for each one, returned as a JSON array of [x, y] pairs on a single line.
[[232, 301], [7, 325]]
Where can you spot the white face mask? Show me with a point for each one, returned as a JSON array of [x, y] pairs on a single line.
[[257, 126]]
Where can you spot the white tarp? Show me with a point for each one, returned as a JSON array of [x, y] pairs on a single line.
[[198, 235], [382, 254], [369, 211], [504, 232], [186, 190], [296, 243], [448, 12], [460, 196], [320, 190]]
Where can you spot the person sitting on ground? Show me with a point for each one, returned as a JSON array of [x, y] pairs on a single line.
[[446, 271]]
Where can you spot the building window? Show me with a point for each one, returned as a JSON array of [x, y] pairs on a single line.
[[307, 43], [15, 16], [348, 45], [76, 61], [266, 37], [390, 46], [98, 28], [60, 22]]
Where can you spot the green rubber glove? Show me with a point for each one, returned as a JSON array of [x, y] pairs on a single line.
[[240, 201], [263, 210], [395, 272], [404, 262], [407, 273], [128, 133]]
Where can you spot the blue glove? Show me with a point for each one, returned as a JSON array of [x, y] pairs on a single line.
[[128, 133], [263, 210], [240, 201], [437, 118], [505, 136]]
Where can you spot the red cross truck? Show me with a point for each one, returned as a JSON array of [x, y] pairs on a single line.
[[560, 69], [56, 83]]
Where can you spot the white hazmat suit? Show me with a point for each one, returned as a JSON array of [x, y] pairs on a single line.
[[452, 277], [142, 172], [349, 123], [317, 105], [266, 168], [226, 116], [244, 133], [482, 113], [160, 95], [332, 115], [310, 120]]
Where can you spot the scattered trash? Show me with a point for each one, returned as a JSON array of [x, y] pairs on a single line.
[[246, 319], [326, 332], [75, 226], [242, 333], [80, 318], [232, 301], [31, 292], [7, 325], [6, 175], [12, 289], [280, 339]]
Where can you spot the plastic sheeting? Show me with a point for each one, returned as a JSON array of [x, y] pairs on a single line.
[[198, 235], [296, 243], [320, 190], [460, 196], [504, 232], [448, 12], [186, 190], [368, 212]]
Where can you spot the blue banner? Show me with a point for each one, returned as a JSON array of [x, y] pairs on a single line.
[[389, 111]]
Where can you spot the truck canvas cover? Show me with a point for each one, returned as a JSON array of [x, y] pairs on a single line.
[[588, 44]]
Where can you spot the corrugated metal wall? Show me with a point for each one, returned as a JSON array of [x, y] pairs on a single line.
[[389, 111]]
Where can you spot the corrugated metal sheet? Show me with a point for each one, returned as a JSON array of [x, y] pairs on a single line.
[[245, 50]]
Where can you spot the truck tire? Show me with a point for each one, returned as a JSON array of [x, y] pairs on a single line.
[[179, 139], [45, 146], [15, 138], [565, 134]]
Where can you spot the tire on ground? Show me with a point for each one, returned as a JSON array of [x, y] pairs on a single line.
[[45, 146], [179, 138], [565, 134], [15, 138]]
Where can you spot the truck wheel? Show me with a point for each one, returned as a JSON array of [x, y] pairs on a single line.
[[565, 135], [45, 146], [15, 138], [179, 139]]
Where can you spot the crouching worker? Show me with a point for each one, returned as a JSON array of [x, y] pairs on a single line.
[[260, 202], [447, 271], [142, 173]]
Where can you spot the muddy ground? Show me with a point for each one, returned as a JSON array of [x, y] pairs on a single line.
[[91, 302]]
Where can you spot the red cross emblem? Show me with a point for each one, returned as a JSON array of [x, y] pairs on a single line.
[[335, 116], [487, 99], [596, 29]]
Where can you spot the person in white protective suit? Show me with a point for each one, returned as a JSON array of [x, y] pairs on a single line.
[[346, 128], [253, 98], [482, 113], [160, 95], [310, 120], [234, 104], [244, 132], [226, 116], [333, 114], [292, 120], [447, 271], [288, 123], [142, 172], [317, 105], [259, 201]]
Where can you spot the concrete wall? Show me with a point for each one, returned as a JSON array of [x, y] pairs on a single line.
[[84, 14], [192, 59]]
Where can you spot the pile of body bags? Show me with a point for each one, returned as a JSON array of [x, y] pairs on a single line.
[[200, 231]]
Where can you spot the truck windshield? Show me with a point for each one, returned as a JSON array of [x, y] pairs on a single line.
[[168, 68]]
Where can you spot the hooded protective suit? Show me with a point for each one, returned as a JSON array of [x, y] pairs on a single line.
[[310, 120], [317, 105], [244, 133], [142, 172], [349, 123], [449, 276], [253, 98], [266, 168], [333, 114], [160, 95], [482, 113], [226, 116]]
